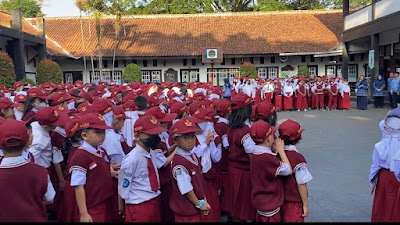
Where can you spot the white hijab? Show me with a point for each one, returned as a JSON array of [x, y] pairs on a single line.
[[388, 148], [206, 127]]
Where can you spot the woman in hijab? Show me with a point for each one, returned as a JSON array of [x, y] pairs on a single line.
[[362, 88], [227, 89], [379, 85]]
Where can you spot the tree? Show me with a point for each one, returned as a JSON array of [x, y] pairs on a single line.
[[270, 5], [7, 71], [29, 8], [248, 70], [48, 70], [30, 81], [338, 4], [304, 4], [80, 4], [132, 73], [303, 71]]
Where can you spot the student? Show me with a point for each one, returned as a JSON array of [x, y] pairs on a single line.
[[267, 91], [390, 88], [138, 182], [7, 108], [345, 95], [295, 206], [318, 89], [20, 204], [238, 195], [267, 112], [288, 96], [180, 109], [142, 105], [267, 194], [19, 109], [36, 100], [333, 92], [188, 200], [91, 172], [301, 95], [384, 175], [278, 95]]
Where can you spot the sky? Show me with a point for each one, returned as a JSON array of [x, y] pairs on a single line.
[[59, 8]]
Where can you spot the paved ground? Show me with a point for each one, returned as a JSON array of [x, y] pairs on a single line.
[[338, 148]]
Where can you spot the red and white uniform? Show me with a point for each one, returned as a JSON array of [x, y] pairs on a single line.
[[267, 92]]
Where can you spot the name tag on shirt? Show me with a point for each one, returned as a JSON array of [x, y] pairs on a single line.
[[193, 172], [92, 165]]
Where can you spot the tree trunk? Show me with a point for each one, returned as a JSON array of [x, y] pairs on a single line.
[[91, 52], [83, 43]]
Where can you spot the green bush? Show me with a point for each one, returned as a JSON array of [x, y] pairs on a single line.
[[29, 81], [303, 71], [7, 71], [248, 70], [48, 70], [132, 73]]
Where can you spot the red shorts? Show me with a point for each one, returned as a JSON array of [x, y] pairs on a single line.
[[269, 219], [98, 213], [189, 219], [292, 212], [148, 211]]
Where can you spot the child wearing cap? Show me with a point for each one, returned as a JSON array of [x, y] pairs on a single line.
[[91, 172], [238, 193], [345, 103], [188, 198], [384, 175], [267, 187], [318, 89], [17, 173], [278, 96], [7, 108], [333, 92], [36, 100], [266, 112], [301, 96], [138, 182], [288, 96], [19, 109], [295, 206]]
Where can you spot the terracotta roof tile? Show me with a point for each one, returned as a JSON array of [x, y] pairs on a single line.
[[185, 35]]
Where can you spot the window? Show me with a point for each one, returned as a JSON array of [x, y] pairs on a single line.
[[252, 60], [303, 58], [221, 73], [312, 59], [184, 62], [261, 60], [367, 70], [124, 63], [223, 62], [191, 75], [156, 76], [165, 62], [146, 76], [134, 62], [353, 73], [339, 70], [95, 77], [194, 62], [272, 59], [95, 64], [116, 64], [322, 59], [34, 62], [105, 63], [155, 62], [262, 72], [107, 76], [352, 57], [330, 58], [313, 71], [362, 57], [268, 72], [117, 77], [233, 61], [144, 63], [69, 78], [331, 71], [194, 76], [273, 72]]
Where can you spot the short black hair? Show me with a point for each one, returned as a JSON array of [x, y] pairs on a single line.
[[141, 102], [397, 73], [13, 149], [239, 116], [289, 142]]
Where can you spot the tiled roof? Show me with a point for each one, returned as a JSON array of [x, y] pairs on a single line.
[[185, 35]]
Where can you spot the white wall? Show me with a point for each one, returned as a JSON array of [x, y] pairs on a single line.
[[357, 18], [386, 7]]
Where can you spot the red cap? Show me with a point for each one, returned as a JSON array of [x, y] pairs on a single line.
[[72, 126], [82, 94], [290, 130], [153, 100], [161, 115], [261, 130], [6, 103], [37, 92], [199, 96], [13, 129], [57, 98], [51, 116], [84, 108], [223, 106], [183, 126], [101, 106], [94, 121], [119, 113], [148, 125], [178, 108], [18, 84], [198, 105], [264, 110], [240, 100], [130, 106], [20, 98], [202, 115]]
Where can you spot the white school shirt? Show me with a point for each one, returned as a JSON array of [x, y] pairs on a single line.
[[24, 155], [133, 179], [183, 179], [41, 149], [18, 114], [15, 161], [225, 142], [283, 170], [247, 141], [127, 129], [78, 177], [302, 174], [112, 145]]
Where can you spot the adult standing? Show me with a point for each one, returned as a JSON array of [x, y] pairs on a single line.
[[390, 87], [379, 85], [362, 88], [394, 89], [227, 88]]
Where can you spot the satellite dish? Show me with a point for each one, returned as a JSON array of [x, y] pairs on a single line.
[[284, 58]]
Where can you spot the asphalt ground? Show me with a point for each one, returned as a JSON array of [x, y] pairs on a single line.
[[338, 147]]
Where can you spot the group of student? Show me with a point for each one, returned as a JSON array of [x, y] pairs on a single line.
[[147, 153], [295, 93]]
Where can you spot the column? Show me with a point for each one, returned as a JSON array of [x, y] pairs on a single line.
[[375, 70], [345, 60]]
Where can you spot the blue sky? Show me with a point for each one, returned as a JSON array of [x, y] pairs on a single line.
[[58, 8]]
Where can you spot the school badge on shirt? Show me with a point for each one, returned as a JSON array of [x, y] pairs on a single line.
[[193, 172], [92, 165]]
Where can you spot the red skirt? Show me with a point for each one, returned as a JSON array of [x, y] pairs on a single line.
[[269, 219], [278, 102], [98, 213], [211, 193], [387, 198], [301, 102], [268, 97], [187, 219], [148, 211], [68, 207], [237, 198], [346, 104], [292, 212], [257, 98], [288, 103]]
